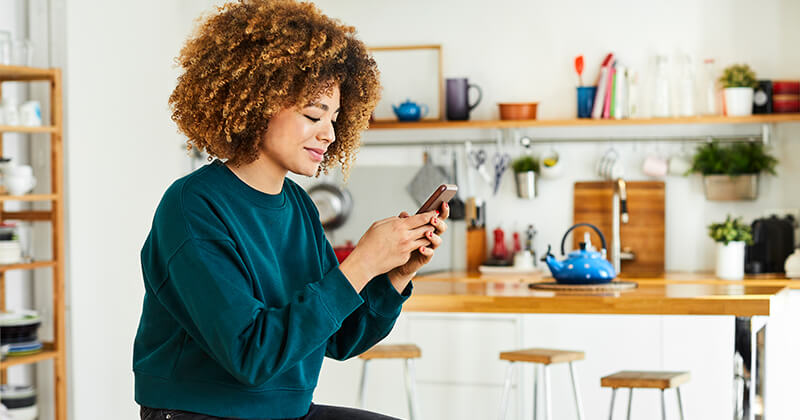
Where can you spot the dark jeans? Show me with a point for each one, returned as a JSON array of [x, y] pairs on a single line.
[[316, 412]]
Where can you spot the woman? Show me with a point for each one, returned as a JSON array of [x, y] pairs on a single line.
[[243, 293]]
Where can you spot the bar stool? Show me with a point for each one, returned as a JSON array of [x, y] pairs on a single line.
[[645, 379], [409, 352], [544, 357]]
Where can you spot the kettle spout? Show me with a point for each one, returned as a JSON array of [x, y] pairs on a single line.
[[555, 266], [395, 108]]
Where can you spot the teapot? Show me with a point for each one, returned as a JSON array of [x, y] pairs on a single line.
[[410, 111], [583, 266]]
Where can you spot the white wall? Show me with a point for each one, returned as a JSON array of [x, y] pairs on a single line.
[[122, 153], [123, 150]]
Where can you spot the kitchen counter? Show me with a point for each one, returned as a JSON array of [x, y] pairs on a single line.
[[669, 294]]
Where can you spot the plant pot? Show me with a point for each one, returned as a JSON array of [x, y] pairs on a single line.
[[731, 188], [526, 184], [739, 101], [730, 260]]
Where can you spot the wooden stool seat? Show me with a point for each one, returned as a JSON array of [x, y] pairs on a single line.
[[645, 379], [392, 351], [542, 356], [409, 352]]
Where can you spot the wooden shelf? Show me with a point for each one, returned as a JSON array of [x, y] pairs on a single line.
[[48, 352], [584, 122], [29, 197], [26, 74], [27, 266], [27, 129]]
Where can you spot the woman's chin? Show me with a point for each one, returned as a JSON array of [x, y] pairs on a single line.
[[307, 170]]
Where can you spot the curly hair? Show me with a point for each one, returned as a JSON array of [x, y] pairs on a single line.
[[253, 58]]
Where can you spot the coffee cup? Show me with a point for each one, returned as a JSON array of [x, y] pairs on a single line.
[[19, 180], [655, 166]]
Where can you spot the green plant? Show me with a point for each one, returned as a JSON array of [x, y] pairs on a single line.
[[731, 230], [738, 75], [736, 159], [525, 163]]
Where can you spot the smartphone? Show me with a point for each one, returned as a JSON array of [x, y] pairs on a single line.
[[442, 194]]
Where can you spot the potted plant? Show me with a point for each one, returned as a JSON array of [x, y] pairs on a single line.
[[738, 82], [731, 172], [526, 169], [731, 237]]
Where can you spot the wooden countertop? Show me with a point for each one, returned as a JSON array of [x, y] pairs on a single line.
[[669, 294]]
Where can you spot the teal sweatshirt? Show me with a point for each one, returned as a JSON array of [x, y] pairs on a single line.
[[243, 299]]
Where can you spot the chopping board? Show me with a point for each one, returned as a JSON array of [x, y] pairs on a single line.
[[643, 235]]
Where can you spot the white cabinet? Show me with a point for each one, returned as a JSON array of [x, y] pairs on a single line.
[[460, 375]]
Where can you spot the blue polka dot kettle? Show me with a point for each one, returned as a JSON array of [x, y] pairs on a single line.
[[582, 266]]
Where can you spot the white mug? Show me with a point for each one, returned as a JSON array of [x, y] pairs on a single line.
[[19, 180], [655, 166], [30, 114]]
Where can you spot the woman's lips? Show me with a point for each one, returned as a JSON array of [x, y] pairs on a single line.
[[316, 154]]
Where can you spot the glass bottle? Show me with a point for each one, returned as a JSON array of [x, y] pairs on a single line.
[[661, 97]]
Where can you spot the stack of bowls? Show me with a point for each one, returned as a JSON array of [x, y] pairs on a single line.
[[10, 249], [19, 331], [20, 401]]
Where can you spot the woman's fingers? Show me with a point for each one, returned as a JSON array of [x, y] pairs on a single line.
[[445, 211], [420, 244], [439, 224], [421, 219]]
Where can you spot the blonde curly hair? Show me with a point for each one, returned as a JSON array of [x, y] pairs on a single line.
[[253, 58]]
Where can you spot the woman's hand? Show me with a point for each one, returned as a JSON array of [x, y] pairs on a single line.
[[401, 275], [387, 244]]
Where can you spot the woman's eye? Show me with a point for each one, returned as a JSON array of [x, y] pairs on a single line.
[[312, 118]]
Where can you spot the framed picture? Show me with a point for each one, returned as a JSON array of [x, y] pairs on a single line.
[[410, 72]]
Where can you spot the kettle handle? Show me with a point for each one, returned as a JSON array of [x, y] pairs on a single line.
[[564, 239]]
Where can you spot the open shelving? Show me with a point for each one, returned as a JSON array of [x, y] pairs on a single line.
[[584, 122], [54, 350]]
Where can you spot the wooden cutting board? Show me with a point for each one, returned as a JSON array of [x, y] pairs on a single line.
[[643, 234]]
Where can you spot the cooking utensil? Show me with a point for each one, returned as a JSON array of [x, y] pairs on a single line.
[[579, 68], [456, 204], [501, 161], [333, 203], [426, 180], [478, 161], [583, 266]]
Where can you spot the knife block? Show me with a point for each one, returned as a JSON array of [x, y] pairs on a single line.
[[475, 248]]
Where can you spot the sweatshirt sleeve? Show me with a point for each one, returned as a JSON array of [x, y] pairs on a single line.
[[207, 290], [372, 321]]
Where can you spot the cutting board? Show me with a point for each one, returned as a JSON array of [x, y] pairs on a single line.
[[643, 234]]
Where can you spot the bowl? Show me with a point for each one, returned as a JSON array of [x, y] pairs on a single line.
[[518, 110]]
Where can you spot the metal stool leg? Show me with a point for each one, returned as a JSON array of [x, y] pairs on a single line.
[[547, 404], [611, 410], [578, 404], [506, 391], [411, 390], [630, 400], [680, 403], [663, 407], [362, 391], [535, 389]]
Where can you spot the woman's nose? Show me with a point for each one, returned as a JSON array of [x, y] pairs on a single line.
[[327, 133]]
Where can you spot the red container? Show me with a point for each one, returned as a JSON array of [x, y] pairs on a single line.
[[785, 103], [788, 87]]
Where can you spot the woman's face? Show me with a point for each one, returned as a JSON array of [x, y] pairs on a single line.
[[297, 138]]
